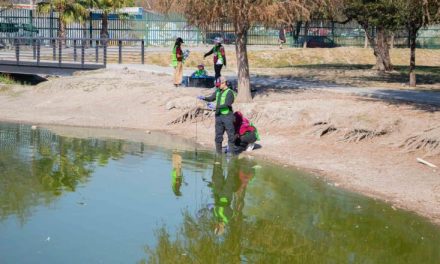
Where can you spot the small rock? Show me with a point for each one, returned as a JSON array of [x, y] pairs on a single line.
[[148, 132], [33, 127]]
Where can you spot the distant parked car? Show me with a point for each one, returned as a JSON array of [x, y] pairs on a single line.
[[228, 38], [317, 42]]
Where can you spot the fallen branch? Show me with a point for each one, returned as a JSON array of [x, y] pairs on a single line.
[[426, 163]]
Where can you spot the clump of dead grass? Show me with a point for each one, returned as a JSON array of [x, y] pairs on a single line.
[[359, 134], [428, 141], [192, 115], [323, 128]]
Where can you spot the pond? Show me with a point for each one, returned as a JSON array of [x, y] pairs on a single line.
[[94, 199]]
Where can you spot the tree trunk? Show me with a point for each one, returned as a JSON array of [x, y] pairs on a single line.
[[306, 34], [104, 27], [62, 31], [244, 86], [380, 48], [412, 63], [295, 33], [366, 41], [392, 40]]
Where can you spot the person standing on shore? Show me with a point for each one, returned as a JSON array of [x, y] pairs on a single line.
[[177, 62], [224, 115], [219, 56]]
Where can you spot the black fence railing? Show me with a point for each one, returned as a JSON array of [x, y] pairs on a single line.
[[161, 30], [71, 50]]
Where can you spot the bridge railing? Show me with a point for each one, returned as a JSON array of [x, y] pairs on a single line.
[[82, 51]]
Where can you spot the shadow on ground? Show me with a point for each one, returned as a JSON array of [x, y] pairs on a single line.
[[421, 100], [426, 75]]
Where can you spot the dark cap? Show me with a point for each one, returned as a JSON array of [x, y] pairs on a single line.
[[179, 40]]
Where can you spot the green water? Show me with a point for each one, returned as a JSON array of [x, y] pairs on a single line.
[[89, 200]]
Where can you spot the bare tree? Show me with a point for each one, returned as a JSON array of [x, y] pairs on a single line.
[[243, 14]]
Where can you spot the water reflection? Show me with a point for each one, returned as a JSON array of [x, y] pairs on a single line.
[[233, 211], [176, 174], [37, 166], [270, 215]]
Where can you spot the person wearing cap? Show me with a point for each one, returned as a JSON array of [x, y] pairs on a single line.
[[177, 62], [219, 56], [224, 117]]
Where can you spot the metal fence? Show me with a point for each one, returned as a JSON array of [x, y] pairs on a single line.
[[160, 30]]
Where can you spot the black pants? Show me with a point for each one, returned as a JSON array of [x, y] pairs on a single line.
[[224, 123], [243, 141], [218, 69]]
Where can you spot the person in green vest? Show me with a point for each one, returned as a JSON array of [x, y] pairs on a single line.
[[177, 62], [219, 56], [200, 73], [224, 115]]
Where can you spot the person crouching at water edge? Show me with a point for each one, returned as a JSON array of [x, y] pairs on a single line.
[[177, 62], [224, 117], [246, 133]]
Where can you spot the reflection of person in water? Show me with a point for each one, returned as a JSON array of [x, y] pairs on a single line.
[[176, 174], [229, 191]]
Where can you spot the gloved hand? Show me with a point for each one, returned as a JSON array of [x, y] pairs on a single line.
[[201, 97], [211, 106]]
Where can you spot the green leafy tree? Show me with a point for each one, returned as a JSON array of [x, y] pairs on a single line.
[[107, 7], [68, 11], [379, 15], [414, 15]]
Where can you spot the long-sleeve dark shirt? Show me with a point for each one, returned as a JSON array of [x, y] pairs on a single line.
[[228, 101], [222, 51]]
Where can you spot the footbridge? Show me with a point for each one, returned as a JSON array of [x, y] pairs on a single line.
[[64, 56]]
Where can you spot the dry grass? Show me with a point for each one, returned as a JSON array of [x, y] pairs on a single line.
[[345, 66]]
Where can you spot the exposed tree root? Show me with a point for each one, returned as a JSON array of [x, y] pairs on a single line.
[[324, 128], [357, 134], [194, 114], [428, 140]]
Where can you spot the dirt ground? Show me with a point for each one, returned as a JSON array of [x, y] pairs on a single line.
[[361, 144]]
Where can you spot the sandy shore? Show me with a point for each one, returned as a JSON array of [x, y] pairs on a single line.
[[365, 145]]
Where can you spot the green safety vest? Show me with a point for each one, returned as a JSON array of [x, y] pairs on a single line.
[[200, 73], [257, 135], [219, 54], [219, 210], [220, 98], [174, 57]]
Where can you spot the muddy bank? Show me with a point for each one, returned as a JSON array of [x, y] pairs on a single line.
[[361, 144]]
